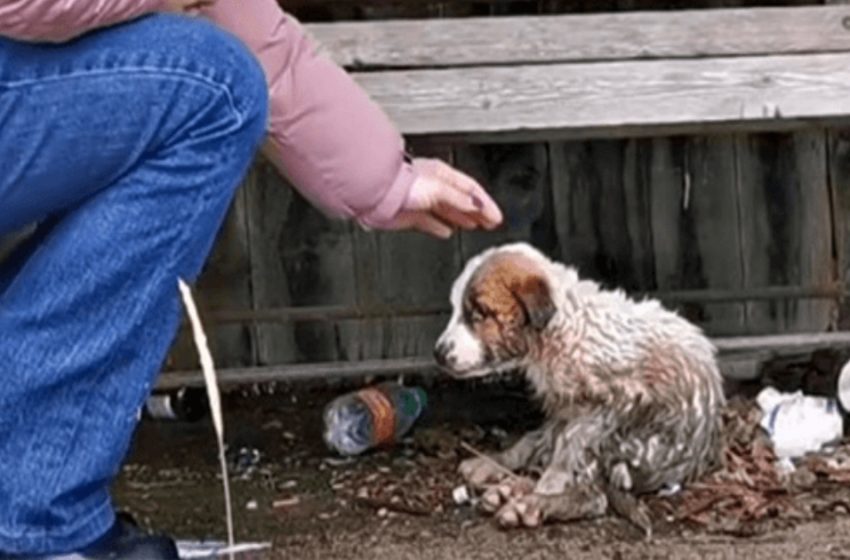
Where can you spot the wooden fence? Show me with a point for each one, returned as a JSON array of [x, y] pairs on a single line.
[[757, 220]]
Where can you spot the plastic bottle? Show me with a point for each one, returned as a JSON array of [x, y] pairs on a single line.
[[371, 417], [188, 404]]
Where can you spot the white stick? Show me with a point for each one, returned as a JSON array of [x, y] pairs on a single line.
[[500, 467], [215, 402]]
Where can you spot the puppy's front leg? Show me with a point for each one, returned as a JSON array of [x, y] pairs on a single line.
[[480, 473], [582, 501], [573, 453], [568, 488]]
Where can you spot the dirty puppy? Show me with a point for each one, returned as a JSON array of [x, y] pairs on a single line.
[[631, 391]]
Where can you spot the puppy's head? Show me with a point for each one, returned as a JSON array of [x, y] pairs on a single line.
[[501, 303]]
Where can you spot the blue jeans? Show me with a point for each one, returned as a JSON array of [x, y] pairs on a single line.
[[127, 146]]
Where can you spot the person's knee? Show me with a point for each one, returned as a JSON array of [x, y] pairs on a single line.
[[232, 63], [213, 54]]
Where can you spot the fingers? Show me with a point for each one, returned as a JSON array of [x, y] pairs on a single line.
[[489, 212], [459, 180], [456, 218], [194, 7], [465, 194], [427, 223], [450, 197], [424, 222]]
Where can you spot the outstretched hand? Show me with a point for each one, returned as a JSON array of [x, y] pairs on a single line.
[[443, 199]]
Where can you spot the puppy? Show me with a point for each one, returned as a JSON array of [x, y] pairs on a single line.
[[631, 391]]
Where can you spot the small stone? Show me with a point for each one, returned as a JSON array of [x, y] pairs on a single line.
[[383, 512], [460, 495], [252, 505], [338, 462]]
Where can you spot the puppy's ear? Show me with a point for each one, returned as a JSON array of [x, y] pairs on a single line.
[[534, 295]]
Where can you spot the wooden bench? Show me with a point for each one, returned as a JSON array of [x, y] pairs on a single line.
[[590, 76]]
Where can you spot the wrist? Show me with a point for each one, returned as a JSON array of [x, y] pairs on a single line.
[[395, 201]]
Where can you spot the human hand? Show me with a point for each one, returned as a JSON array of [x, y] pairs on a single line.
[[190, 7], [442, 199]]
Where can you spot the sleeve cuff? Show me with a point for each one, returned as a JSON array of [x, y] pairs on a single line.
[[393, 201]]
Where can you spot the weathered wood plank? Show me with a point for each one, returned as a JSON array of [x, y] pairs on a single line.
[[268, 198], [695, 231], [786, 226], [731, 350], [402, 269], [315, 255], [839, 182], [517, 176], [399, 269], [602, 218], [414, 269], [596, 37], [616, 98]]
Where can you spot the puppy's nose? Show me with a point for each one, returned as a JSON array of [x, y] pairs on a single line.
[[441, 353]]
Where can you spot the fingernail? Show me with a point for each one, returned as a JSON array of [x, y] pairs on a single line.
[[479, 204]]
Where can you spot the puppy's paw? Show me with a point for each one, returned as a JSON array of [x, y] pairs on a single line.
[[480, 473], [497, 495], [525, 511]]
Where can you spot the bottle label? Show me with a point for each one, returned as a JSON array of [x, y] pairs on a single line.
[[383, 414]]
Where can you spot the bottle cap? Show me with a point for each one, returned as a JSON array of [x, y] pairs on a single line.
[[843, 391]]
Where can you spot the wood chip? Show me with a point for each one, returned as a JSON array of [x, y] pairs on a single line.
[[286, 502]]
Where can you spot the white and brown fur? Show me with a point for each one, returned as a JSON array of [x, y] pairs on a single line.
[[631, 391]]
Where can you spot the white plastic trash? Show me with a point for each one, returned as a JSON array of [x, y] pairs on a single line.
[[213, 550], [461, 495], [798, 424]]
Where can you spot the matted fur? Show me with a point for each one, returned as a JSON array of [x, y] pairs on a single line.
[[631, 391]]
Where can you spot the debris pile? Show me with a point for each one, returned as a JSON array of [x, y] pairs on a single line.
[[754, 491]]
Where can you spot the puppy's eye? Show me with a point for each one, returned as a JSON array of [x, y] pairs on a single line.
[[475, 315]]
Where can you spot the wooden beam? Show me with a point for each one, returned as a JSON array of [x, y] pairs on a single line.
[[351, 312], [617, 98], [591, 37], [731, 349]]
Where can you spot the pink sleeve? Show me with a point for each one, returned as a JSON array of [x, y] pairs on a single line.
[[335, 144], [60, 20]]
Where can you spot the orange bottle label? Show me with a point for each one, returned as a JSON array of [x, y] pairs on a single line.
[[383, 414]]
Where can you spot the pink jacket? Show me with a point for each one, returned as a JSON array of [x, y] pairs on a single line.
[[334, 143]]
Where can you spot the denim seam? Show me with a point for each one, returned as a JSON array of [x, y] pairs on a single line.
[[46, 535], [141, 71]]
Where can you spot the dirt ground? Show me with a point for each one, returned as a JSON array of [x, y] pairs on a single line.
[[397, 504]]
